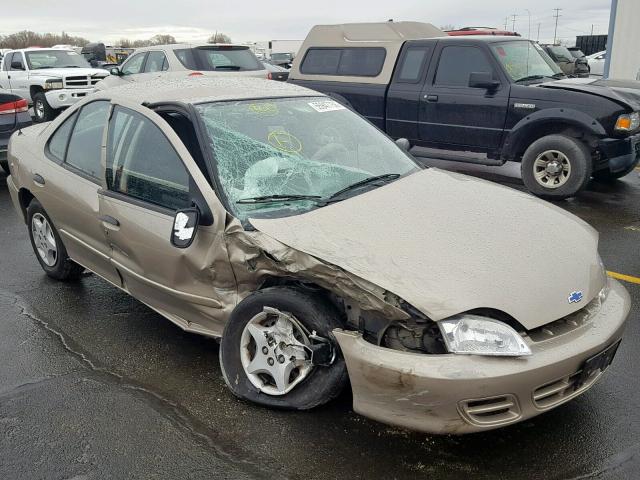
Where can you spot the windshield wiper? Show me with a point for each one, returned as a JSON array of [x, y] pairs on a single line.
[[278, 198], [69, 66], [387, 177], [227, 67], [530, 77], [43, 67], [558, 75]]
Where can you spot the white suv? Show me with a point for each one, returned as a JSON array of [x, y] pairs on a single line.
[[51, 79], [185, 60]]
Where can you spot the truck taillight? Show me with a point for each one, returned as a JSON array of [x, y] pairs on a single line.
[[14, 107], [196, 74], [269, 76]]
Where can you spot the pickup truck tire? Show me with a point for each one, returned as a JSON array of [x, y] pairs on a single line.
[[5, 166], [607, 175], [45, 240], [250, 358], [556, 167], [41, 109]]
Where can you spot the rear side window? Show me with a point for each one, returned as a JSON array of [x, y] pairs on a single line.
[[457, 63], [352, 61], [231, 58], [142, 164], [412, 64], [156, 62], [60, 139], [85, 145]]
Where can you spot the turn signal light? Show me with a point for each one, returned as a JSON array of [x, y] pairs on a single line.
[[14, 107], [628, 122]]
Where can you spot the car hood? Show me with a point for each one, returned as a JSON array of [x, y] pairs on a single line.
[[624, 92], [448, 243], [69, 72]]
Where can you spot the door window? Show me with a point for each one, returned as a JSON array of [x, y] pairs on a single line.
[[134, 65], [156, 62], [85, 144], [60, 139], [17, 58], [412, 64], [457, 63], [142, 163]]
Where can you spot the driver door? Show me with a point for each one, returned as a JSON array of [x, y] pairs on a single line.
[[147, 181]]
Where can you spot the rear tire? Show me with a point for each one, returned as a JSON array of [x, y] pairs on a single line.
[[319, 385], [43, 112], [556, 167], [48, 246]]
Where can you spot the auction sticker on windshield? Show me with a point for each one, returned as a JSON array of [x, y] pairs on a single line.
[[325, 106]]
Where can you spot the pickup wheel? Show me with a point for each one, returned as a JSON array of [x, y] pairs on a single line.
[[41, 108], [48, 246], [265, 351], [556, 167], [5, 166]]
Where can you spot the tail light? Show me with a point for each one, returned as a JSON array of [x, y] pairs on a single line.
[[14, 107], [196, 74], [269, 76]]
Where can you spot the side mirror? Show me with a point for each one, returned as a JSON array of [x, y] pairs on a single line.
[[185, 226], [115, 71], [404, 144], [17, 66], [483, 80]]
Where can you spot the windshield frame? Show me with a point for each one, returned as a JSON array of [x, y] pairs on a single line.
[[212, 161], [539, 49], [47, 50]]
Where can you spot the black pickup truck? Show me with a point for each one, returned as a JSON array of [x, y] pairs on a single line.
[[483, 100]]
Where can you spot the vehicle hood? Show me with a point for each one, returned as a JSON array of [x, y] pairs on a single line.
[[68, 72], [448, 243], [624, 92]]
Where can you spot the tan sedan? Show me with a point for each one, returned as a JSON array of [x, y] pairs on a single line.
[[319, 251]]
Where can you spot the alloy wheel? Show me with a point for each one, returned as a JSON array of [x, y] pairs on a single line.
[[44, 240], [552, 169]]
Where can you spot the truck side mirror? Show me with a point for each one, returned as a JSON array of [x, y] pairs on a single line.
[[185, 226], [115, 71], [17, 66], [404, 144], [483, 80]]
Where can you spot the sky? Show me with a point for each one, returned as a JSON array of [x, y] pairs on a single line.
[[253, 20]]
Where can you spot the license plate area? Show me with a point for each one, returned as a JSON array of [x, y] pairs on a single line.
[[598, 362]]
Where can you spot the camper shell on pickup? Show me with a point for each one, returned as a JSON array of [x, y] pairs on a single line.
[[478, 99]]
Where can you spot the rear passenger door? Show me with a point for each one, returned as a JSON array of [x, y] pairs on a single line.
[[147, 182], [454, 115]]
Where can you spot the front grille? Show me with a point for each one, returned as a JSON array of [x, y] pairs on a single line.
[[558, 391], [81, 81], [566, 324], [491, 411]]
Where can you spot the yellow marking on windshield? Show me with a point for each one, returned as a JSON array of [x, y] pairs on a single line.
[[266, 109], [624, 278], [284, 141]]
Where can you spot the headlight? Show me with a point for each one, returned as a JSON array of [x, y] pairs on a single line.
[[53, 84], [475, 335], [628, 122]]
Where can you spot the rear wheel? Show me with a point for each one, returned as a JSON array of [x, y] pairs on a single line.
[[42, 111], [265, 352], [556, 167], [48, 246]]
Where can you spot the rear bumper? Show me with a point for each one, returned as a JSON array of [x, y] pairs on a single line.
[[444, 393], [619, 153], [66, 97]]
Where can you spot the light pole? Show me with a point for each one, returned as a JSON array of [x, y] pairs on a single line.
[[529, 14]]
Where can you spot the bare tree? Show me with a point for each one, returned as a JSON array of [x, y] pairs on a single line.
[[219, 38], [27, 38], [448, 26], [162, 40]]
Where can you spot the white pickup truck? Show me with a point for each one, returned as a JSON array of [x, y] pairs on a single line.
[[51, 79]]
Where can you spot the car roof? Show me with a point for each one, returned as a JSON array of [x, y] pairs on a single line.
[[175, 46], [485, 38], [201, 89]]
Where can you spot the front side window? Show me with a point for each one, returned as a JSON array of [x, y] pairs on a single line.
[[134, 64], [458, 63], [142, 163], [310, 146], [16, 62], [352, 61], [229, 58], [156, 62], [85, 145], [43, 59], [60, 139], [523, 59]]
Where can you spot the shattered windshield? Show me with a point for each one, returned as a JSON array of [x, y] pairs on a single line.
[[281, 157]]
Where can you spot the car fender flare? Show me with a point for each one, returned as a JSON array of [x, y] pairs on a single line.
[[568, 116]]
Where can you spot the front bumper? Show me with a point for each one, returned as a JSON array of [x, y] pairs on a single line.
[[619, 154], [65, 97], [456, 394]]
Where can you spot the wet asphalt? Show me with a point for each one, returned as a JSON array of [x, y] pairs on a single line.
[[95, 385]]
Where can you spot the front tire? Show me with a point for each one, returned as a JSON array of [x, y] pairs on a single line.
[[261, 355], [556, 167], [43, 112], [48, 246]]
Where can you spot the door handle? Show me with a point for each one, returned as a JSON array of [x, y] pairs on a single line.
[[431, 98], [110, 220], [38, 179]]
